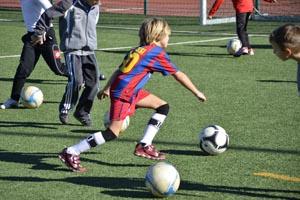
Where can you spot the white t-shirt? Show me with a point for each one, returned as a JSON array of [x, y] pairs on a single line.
[[32, 11]]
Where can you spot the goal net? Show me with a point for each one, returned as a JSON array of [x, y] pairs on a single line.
[[282, 10]]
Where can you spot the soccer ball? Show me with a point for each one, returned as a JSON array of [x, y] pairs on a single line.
[[106, 122], [162, 179], [233, 46], [213, 140], [32, 97]]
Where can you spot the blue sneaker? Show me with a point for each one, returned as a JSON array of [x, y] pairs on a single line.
[[10, 103]]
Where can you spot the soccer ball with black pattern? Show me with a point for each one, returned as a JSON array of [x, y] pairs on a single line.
[[213, 140]]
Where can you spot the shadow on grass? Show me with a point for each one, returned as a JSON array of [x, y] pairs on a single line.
[[135, 187], [30, 124], [275, 81], [39, 81], [51, 102], [127, 140], [193, 54], [42, 125], [36, 160], [185, 152]]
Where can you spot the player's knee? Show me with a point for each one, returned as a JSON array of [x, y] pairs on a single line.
[[164, 109]]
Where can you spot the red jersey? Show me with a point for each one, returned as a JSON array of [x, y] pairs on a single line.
[[243, 6], [137, 68]]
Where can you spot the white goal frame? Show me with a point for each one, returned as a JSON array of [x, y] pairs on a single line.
[[205, 21]]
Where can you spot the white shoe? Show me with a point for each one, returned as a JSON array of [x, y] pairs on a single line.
[[9, 103], [241, 51], [251, 52]]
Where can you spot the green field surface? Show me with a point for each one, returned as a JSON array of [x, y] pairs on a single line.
[[254, 98]]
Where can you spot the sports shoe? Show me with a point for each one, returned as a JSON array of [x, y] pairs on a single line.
[[71, 161], [63, 118], [85, 120], [251, 52], [9, 103], [148, 152], [241, 51]]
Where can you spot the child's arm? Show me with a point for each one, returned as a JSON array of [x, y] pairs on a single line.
[[43, 24], [187, 83], [215, 8], [105, 91]]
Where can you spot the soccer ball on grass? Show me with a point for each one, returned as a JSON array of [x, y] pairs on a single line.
[[32, 97], [162, 179], [233, 45], [213, 140]]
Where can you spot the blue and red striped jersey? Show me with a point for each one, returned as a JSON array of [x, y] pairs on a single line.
[[137, 68]]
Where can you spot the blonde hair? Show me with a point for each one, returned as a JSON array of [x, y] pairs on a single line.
[[153, 30], [287, 36]]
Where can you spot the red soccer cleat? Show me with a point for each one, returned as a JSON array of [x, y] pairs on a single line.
[[148, 152], [71, 161]]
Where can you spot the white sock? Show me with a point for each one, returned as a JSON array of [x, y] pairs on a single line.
[[84, 145], [151, 130], [99, 138], [78, 148]]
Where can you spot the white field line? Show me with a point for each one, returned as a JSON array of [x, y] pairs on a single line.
[[121, 9], [10, 56], [186, 32], [170, 44]]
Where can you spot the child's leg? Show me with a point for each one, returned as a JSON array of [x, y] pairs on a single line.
[[92, 140], [91, 85], [241, 28], [157, 119], [75, 81], [118, 110], [70, 156], [246, 24], [29, 57]]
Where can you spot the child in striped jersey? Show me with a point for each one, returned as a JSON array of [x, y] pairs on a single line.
[[125, 89]]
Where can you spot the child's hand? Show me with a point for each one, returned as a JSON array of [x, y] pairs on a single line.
[[102, 94], [201, 96], [38, 39]]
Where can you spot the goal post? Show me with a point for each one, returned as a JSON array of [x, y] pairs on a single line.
[[224, 17]]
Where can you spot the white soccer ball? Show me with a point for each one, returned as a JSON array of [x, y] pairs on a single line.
[[106, 122], [162, 179], [32, 97], [213, 140], [233, 45]]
